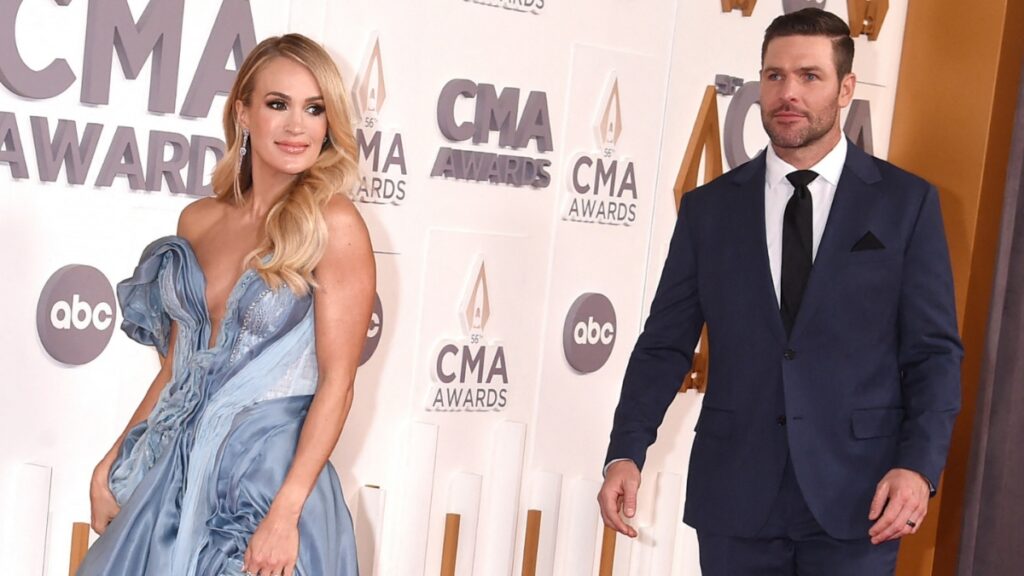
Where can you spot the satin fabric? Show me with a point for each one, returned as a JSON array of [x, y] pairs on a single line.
[[195, 479]]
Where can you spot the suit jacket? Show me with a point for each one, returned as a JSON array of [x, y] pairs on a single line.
[[868, 380]]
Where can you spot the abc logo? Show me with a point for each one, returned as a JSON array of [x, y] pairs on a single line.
[[373, 332], [589, 333], [76, 314]]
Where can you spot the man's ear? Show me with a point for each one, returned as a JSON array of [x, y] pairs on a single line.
[[846, 88]]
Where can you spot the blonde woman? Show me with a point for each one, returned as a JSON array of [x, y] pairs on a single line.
[[259, 306]]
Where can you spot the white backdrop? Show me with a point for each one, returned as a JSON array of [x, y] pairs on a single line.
[[613, 82]]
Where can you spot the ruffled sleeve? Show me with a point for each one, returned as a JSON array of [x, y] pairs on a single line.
[[164, 287]]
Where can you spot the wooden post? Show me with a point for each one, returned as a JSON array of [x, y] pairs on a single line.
[[607, 552], [79, 545], [531, 542], [866, 17], [450, 547], [705, 142]]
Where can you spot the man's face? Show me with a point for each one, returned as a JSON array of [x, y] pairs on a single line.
[[801, 93]]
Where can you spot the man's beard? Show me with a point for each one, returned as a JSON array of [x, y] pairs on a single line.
[[818, 125]]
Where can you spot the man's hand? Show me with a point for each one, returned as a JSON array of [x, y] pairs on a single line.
[[619, 493], [903, 494]]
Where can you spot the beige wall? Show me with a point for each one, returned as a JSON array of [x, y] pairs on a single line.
[[954, 110]]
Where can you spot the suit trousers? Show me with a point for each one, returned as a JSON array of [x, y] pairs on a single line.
[[792, 543]]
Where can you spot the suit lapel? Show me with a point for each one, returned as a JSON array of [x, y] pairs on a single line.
[[750, 179], [853, 200]]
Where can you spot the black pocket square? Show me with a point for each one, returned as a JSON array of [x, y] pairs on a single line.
[[868, 242]]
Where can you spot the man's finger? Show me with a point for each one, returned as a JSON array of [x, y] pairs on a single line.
[[610, 514], [629, 498], [878, 502]]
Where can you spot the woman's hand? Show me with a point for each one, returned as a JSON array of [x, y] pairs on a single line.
[[104, 506], [274, 547]]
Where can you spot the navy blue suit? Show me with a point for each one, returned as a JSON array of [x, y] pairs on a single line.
[[869, 379]]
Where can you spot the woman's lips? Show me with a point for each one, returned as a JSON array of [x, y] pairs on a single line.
[[292, 147]]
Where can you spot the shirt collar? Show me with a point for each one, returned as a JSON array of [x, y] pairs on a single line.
[[830, 167]]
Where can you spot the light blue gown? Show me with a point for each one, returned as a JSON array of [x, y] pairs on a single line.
[[195, 479]]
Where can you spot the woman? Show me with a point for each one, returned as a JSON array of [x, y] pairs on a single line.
[[259, 306]]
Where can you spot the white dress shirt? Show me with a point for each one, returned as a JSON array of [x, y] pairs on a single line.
[[778, 191]]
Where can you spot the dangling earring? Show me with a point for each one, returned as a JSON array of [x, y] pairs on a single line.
[[243, 149], [327, 140]]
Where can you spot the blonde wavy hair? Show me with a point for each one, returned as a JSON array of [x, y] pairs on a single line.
[[296, 229]]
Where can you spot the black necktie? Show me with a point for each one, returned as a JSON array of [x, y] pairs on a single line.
[[797, 245]]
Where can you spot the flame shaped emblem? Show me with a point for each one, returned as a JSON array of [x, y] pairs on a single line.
[[372, 92], [610, 127], [478, 304]]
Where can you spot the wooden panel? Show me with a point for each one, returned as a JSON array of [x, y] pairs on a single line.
[[952, 125], [531, 542], [607, 552], [705, 142], [450, 546], [79, 545]]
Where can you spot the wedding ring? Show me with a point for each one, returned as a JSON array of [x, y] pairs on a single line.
[[911, 523]]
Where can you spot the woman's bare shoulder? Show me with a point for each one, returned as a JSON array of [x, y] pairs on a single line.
[[198, 216], [342, 216]]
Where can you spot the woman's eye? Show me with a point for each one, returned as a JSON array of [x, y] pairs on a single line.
[[315, 110], [277, 105]]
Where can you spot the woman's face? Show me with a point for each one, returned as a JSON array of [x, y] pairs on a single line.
[[286, 119]]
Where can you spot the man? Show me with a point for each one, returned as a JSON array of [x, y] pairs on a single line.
[[832, 389]]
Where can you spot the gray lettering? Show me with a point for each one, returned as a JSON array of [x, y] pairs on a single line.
[[536, 123], [123, 159], [158, 32], [495, 112], [444, 164], [158, 168], [10, 146], [446, 109], [368, 148], [498, 367], [396, 155], [15, 75], [198, 152], [446, 350], [474, 361], [605, 178], [735, 117], [628, 181], [858, 125], [65, 148], [233, 34]]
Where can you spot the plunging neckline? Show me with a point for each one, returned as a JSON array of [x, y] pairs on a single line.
[[213, 342]]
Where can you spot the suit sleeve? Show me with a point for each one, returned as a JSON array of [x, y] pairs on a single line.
[[929, 346], [664, 351]]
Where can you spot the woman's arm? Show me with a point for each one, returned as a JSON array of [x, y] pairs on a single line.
[[343, 303], [102, 503]]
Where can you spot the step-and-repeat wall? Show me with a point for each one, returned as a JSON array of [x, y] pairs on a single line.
[[518, 161]]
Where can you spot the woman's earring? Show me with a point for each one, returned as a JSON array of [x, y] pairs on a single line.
[[327, 140], [242, 151]]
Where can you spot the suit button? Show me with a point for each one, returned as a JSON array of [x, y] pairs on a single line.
[[789, 354], [781, 420]]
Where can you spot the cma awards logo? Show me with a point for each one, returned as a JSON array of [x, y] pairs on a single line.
[[531, 6], [381, 152], [493, 112], [589, 332], [602, 184], [76, 314], [471, 374]]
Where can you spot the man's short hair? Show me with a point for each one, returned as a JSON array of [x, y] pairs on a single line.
[[815, 22]]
